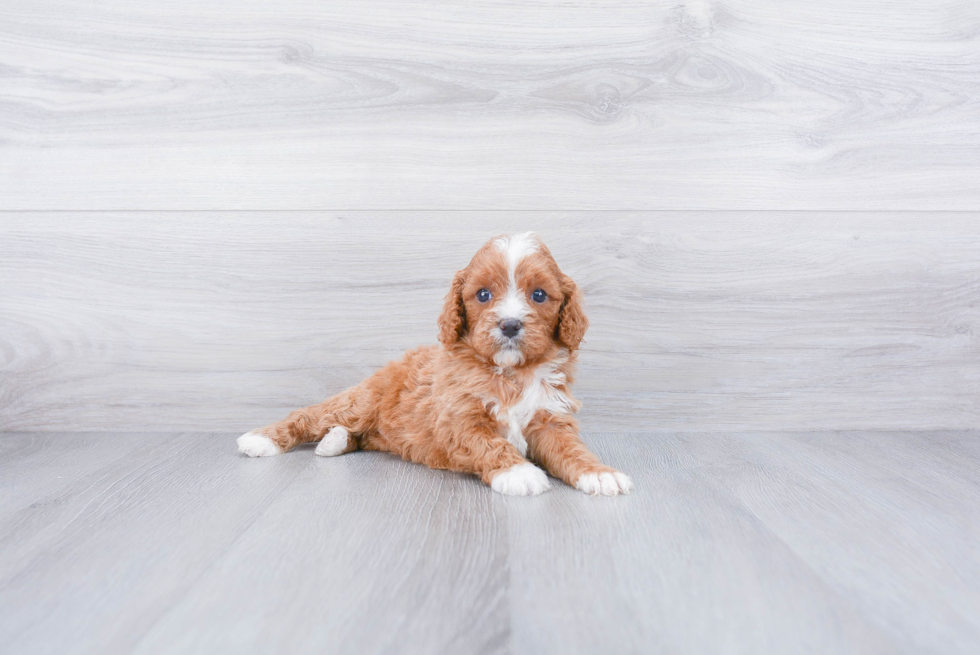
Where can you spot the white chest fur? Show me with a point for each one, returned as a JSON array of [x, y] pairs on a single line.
[[542, 392]]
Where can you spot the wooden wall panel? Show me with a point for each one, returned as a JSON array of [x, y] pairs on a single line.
[[366, 104], [700, 320]]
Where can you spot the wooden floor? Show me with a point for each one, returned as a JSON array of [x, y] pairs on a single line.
[[821, 542]]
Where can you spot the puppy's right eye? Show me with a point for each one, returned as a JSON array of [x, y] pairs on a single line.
[[483, 295]]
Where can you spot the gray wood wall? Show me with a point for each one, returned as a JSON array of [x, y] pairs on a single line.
[[211, 213]]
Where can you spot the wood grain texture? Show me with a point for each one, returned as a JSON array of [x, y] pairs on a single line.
[[680, 567], [687, 104], [778, 542], [859, 491], [123, 540], [359, 555], [226, 321]]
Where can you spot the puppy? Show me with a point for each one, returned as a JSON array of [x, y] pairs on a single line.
[[493, 396]]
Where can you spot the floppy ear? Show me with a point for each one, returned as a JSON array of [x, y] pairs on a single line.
[[452, 321], [572, 322]]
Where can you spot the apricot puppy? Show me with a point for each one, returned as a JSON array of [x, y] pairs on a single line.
[[492, 398]]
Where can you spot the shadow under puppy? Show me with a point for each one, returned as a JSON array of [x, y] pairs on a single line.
[[495, 394]]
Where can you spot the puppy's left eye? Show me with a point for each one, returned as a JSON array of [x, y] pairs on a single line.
[[539, 296]]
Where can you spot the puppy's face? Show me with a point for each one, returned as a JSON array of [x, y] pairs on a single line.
[[512, 304]]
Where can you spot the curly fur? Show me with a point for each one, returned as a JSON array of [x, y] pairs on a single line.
[[479, 402]]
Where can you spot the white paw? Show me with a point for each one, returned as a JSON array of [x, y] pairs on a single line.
[[254, 444], [604, 484], [333, 442], [521, 480]]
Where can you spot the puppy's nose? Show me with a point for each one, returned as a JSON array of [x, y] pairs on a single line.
[[510, 327]]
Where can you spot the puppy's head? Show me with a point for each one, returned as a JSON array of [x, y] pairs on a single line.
[[512, 304]]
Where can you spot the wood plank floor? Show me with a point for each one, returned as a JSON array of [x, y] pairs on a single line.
[[764, 542]]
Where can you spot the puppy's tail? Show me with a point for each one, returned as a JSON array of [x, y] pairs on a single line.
[[336, 421]]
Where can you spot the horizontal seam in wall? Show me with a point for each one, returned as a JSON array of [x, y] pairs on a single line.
[[497, 211]]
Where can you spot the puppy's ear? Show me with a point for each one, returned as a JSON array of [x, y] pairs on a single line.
[[452, 321], [572, 322]]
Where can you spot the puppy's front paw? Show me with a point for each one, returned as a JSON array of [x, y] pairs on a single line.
[[604, 484], [254, 444], [521, 480]]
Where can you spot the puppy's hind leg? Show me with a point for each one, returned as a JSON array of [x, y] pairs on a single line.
[[336, 441], [339, 417]]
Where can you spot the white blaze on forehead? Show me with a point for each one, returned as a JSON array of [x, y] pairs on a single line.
[[514, 248]]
